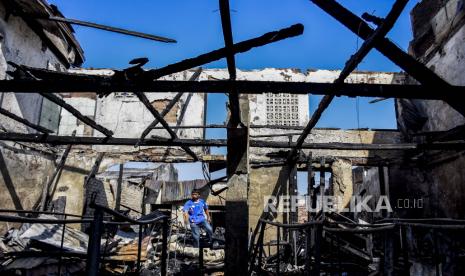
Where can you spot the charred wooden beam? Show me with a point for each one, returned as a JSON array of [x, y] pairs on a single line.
[[83, 140], [149, 75], [228, 37], [350, 66], [87, 84], [157, 116], [29, 151], [119, 187], [24, 121], [228, 42], [372, 18], [107, 28], [405, 61], [456, 133], [183, 111], [95, 168], [168, 107], [91, 175], [241, 47], [250, 126], [145, 101], [195, 126], [244, 46], [57, 100], [163, 114], [188, 99], [55, 178]]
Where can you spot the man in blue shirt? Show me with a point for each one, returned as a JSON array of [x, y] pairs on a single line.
[[196, 214]]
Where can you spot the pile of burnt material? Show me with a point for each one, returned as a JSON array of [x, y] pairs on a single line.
[[335, 244]]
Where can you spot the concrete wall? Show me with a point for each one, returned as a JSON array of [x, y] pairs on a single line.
[[28, 170], [126, 116], [122, 112], [86, 104], [258, 116], [264, 182], [342, 183], [437, 177]]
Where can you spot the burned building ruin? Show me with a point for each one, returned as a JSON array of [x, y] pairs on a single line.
[[90, 158]]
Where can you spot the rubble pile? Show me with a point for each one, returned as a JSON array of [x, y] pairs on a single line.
[[342, 246], [43, 249]]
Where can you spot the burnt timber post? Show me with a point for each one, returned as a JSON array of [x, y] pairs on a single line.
[[119, 187], [237, 212]]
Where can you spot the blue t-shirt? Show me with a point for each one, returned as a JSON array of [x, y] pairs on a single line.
[[195, 210]]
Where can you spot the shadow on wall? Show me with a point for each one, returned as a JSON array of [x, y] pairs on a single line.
[[9, 183], [277, 189]]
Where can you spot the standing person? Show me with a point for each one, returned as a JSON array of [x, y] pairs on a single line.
[[197, 215]]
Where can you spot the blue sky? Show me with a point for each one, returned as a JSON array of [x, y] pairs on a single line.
[[196, 25]]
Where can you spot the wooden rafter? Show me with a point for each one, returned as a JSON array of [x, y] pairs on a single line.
[[409, 64], [85, 140], [228, 42], [351, 64]]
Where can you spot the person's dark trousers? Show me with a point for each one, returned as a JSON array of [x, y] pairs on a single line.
[[195, 228]]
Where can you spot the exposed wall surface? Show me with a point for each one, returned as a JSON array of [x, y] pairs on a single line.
[[358, 157], [343, 187], [258, 110], [126, 116], [437, 177], [123, 113], [439, 35], [104, 187], [83, 102], [71, 182], [27, 169], [264, 182]]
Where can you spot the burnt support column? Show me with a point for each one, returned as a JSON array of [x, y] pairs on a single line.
[[341, 174], [55, 177], [310, 189], [119, 188], [322, 185], [93, 250], [237, 212], [293, 192], [384, 185]]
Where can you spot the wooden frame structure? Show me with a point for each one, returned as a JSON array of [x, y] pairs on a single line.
[[33, 80]]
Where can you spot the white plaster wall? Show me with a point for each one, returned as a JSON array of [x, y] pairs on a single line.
[[127, 117], [22, 46], [10, 103], [69, 122], [257, 104], [28, 172]]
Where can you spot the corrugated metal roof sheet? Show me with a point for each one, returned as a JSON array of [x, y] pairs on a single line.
[[180, 190]]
